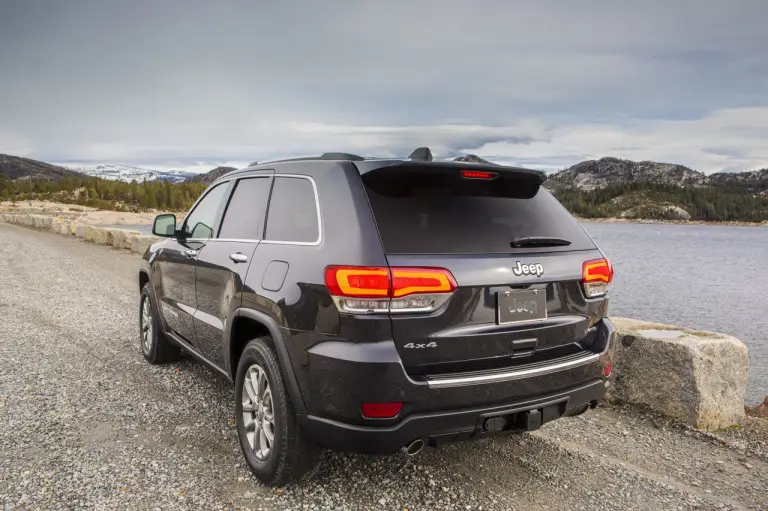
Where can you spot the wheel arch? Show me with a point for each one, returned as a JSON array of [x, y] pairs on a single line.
[[143, 278], [246, 325]]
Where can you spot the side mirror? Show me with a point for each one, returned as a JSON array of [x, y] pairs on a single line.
[[165, 225]]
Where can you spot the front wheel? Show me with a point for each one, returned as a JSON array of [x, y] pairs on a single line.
[[277, 450]]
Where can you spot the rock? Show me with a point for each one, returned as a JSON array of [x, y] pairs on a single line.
[[696, 377], [139, 244], [759, 410]]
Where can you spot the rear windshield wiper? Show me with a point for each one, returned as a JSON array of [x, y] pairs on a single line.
[[539, 241]]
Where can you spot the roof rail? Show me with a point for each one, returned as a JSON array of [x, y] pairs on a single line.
[[422, 154], [341, 156]]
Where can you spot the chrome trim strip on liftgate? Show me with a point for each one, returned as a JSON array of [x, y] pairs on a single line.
[[518, 374]]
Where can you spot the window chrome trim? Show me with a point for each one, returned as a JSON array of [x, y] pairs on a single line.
[[317, 209]]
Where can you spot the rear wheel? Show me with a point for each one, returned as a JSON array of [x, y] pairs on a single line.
[[154, 345], [277, 450]]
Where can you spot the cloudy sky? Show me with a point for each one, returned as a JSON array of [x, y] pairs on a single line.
[[192, 84]]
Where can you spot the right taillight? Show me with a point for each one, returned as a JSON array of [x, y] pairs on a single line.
[[366, 290], [595, 277]]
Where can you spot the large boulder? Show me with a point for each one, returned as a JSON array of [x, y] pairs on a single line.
[[699, 378]]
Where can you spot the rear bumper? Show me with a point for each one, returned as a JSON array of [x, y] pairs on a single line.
[[439, 428], [338, 377]]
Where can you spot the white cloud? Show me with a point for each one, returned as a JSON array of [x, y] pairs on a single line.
[[543, 83], [729, 139]]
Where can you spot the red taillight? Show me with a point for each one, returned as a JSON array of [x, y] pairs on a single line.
[[608, 369], [409, 281], [360, 289], [381, 410], [477, 174], [595, 276], [357, 281]]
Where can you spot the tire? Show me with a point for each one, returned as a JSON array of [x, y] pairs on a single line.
[[155, 347], [291, 455]]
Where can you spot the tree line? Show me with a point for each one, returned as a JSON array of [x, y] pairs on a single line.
[[104, 194], [724, 202]]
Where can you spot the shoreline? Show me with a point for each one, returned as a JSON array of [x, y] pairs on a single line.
[[614, 220], [93, 216]]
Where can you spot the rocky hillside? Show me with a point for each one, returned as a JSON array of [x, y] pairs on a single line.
[[610, 187], [210, 176], [593, 174], [15, 167], [472, 158]]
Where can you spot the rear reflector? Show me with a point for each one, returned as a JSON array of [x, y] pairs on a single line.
[[361, 290], [381, 410], [595, 276], [477, 174]]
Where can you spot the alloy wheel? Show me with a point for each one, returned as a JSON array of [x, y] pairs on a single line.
[[258, 412]]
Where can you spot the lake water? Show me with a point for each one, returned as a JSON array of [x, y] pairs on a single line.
[[700, 277]]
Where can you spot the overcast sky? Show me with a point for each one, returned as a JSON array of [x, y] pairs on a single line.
[[193, 84]]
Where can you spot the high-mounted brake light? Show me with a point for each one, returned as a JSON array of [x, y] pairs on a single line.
[[477, 174], [595, 277], [363, 290]]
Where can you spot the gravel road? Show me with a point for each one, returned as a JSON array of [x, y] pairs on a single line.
[[87, 424]]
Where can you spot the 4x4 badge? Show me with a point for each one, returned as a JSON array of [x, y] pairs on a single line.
[[528, 269]]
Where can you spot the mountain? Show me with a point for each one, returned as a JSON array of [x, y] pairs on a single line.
[[128, 174], [610, 187], [210, 176], [594, 174], [472, 158], [15, 167]]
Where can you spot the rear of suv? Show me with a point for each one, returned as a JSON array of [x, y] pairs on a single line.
[[380, 305]]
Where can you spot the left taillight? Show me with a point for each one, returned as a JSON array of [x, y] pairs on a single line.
[[366, 290], [595, 277]]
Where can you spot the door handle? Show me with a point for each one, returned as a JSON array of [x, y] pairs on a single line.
[[190, 253], [238, 257]]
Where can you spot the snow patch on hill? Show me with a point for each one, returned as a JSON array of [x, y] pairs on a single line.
[[127, 173]]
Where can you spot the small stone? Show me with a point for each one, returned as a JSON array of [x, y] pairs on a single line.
[[382, 501]]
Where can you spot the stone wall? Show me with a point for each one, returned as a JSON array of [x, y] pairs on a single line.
[[68, 226]]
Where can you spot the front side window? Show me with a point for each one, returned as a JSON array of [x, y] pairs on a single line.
[[199, 222], [244, 218], [292, 213]]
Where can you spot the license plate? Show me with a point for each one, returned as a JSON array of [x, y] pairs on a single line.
[[520, 306]]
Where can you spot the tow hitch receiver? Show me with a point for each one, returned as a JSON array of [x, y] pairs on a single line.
[[532, 420]]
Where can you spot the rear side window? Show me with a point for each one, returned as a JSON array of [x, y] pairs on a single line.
[[430, 211], [292, 213], [244, 217]]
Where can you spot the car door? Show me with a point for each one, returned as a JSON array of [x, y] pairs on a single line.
[[176, 261], [223, 262]]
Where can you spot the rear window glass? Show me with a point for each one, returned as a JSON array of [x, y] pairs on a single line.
[[435, 211]]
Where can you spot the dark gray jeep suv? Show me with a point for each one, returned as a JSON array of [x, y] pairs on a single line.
[[380, 305]]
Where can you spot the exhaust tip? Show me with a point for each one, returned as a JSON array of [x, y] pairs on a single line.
[[413, 448]]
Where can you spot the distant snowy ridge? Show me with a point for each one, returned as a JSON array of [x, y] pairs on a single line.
[[128, 174]]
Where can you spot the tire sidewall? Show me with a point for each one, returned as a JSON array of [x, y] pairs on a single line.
[[254, 353], [146, 295]]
